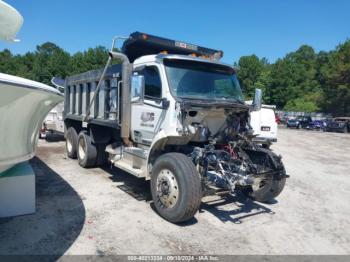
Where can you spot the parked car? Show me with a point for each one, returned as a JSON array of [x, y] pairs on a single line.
[[339, 124], [284, 119], [278, 119], [292, 122], [299, 122], [316, 125]]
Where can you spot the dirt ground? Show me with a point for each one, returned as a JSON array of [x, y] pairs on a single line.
[[105, 211]]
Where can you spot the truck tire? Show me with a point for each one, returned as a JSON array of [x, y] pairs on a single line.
[[266, 190], [87, 152], [176, 187], [71, 143]]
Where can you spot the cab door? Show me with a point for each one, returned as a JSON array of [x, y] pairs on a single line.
[[146, 117]]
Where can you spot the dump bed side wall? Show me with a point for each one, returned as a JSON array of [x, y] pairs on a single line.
[[80, 89]]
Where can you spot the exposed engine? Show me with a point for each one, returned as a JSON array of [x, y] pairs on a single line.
[[231, 159]]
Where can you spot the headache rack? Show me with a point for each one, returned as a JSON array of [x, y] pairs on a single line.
[[140, 44]]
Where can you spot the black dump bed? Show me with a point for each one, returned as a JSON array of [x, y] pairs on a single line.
[[140, 44], [79, 90]]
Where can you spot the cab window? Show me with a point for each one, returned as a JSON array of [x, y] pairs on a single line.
[[153, 85]]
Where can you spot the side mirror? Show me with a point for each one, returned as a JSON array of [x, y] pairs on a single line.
[[165, 103], [257, 101], [137, 88]]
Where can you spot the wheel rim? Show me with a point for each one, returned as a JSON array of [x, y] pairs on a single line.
[[167, 188], [258, 184], [69, 145], [82, 148]]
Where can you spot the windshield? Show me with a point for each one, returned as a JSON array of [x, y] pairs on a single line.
[[192, 79]]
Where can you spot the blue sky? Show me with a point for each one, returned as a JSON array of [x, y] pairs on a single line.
[[269, 28]]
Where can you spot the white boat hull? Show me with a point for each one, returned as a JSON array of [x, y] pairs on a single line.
[[10, 22], [23, 107]]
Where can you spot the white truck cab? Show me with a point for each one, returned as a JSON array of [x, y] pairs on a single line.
[[164, 83]]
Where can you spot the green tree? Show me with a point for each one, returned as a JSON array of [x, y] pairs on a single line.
[[335, 76], [93, 58], [49, 61], [294, 80], [250, 70], [7, 64]]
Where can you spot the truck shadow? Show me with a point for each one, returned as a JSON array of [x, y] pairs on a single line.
[[56, 224], [234, 209], [138, 188], [226, 208]]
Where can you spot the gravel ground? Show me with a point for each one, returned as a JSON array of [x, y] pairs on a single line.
[[105, 211]]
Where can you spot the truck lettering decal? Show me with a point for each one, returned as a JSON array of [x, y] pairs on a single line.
[[147, 117]]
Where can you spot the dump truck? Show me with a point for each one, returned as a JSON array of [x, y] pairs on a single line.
[[172, 113]]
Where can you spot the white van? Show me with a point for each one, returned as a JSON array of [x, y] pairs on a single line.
[[264, 125]]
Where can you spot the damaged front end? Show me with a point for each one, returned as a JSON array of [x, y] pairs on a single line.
[[248, 168], [229, 160]]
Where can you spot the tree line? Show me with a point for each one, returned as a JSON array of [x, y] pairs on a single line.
[[301, 81], [49, 60]]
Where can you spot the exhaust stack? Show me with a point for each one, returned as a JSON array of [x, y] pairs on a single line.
[[126, 107]]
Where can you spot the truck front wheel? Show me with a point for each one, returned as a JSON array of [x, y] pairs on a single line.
[[266, 190], [175, 187], [87, 152]]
